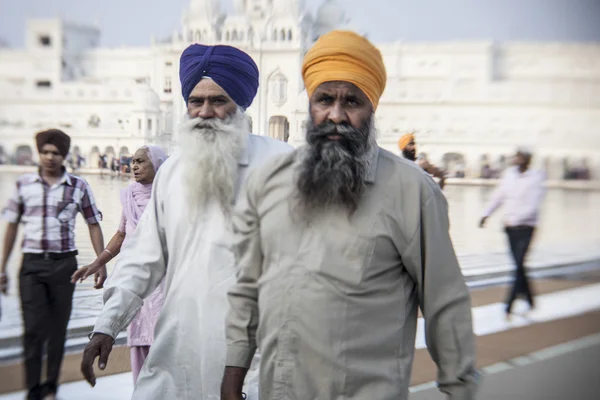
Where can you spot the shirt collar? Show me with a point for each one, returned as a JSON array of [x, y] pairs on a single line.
[[244, 158], [373, 159], [66, 178]]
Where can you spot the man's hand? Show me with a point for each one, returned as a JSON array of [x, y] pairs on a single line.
[[99, 346], [482, 222], [3, 283], [100, 277], [233, 383]]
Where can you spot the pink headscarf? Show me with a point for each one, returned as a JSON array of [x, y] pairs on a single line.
[[136, 196]]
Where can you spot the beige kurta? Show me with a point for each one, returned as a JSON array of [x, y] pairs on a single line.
[[194, 256], [332, 305]]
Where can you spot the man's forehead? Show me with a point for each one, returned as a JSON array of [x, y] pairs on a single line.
[[49, 147], [208, 88], [343, 87]]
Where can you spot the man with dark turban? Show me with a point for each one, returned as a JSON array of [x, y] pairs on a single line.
[[408, 147], [184, 235], [339, 243], [47, 204]]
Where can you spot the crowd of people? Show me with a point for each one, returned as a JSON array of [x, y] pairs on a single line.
[[249, 269]]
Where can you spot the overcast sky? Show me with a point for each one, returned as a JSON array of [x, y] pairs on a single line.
[[133, 22]]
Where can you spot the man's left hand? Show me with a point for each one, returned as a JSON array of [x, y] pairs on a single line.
[[233, 382], [99, 278]]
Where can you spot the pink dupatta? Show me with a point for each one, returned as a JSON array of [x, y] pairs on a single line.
[[136, 196]]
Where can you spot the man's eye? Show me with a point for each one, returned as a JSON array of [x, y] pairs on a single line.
[[353, 102], [326, 100]]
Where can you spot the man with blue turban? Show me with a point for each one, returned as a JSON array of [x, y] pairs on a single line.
[[184, 235]]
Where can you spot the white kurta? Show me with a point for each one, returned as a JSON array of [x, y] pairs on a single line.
[[194, 256]]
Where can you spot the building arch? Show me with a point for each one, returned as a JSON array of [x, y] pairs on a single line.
[[278, 87], [454, 164], [198, 36], [279, 128], [24, 155], [289, 35], [94, 157], [282, 34], [124, 151]]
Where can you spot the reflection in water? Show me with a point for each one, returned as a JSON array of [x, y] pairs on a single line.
[[568, 217]]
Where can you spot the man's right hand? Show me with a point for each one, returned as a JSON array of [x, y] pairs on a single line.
[[99, 346], [482, 222]]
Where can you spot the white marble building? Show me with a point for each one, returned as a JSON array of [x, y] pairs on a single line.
[[465, 100]]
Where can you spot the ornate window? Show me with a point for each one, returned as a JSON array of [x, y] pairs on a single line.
[[278, 88], [94, 121], [167, 85]]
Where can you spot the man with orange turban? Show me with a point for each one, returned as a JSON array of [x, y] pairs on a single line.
[[338, 244], [408, 147]]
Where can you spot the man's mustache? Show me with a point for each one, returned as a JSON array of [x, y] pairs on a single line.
[[211, 123], [329, 128]]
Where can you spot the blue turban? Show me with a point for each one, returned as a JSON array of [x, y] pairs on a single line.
[[230, 68]]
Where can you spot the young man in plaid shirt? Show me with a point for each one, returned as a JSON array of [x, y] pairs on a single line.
[[47, 203]]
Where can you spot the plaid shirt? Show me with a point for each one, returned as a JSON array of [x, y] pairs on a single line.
[[48, 212]]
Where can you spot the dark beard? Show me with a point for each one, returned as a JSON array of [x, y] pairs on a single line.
[[409, 154], [333, 172]]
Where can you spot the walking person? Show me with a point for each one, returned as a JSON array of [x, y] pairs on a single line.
[[521, 192], [338, 244], [47, 203], [184, 235], [134, 198], [408, 147]]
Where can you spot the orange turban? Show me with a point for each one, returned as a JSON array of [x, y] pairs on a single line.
[[405, 140], [345, 56]]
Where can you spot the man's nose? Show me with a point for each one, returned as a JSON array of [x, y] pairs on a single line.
[[337, 115], [206, 111]]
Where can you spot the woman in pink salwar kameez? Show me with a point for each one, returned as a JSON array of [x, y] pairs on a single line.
[[134, 199]]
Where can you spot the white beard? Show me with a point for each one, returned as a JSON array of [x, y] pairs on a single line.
[[209, 152]]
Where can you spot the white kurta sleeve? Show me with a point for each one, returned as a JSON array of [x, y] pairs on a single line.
[[242, 320], [139, 268], [444, 300]]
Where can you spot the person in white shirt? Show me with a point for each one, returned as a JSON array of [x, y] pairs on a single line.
[[184, 236], [521, 192]]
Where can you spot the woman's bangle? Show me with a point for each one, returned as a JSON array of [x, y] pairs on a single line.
[[109, 252]]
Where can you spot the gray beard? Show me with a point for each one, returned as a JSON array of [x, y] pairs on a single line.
[[209, 152], [332, 173]]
